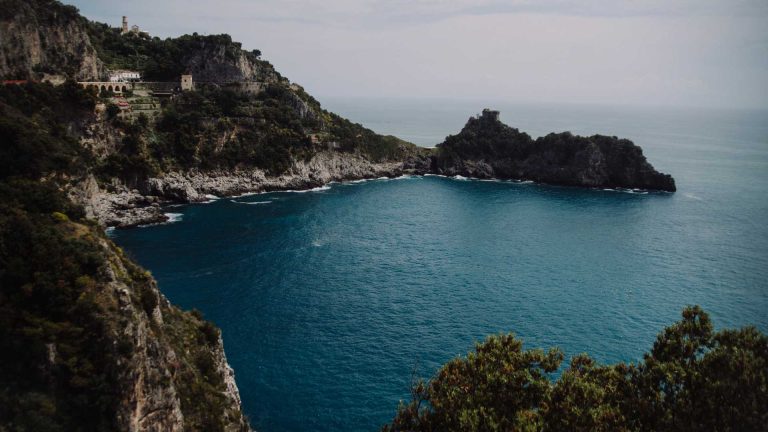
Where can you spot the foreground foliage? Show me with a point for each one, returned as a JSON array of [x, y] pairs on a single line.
[[693, 379]]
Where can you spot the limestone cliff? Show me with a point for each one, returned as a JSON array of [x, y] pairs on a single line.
[[218, 59], [41, 40], [87, 341], [173, 373]]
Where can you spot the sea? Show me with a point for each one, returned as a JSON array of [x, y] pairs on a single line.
[[332, 301]]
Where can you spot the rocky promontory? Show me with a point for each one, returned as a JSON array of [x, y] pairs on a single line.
[[487, 148]]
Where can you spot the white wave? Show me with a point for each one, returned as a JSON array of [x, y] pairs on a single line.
[[632, 191], [460, 177], [251, 202], [383, 178], [109, 231], [209, 199], [693, 197], [435, 175], [316, 189], [174, 217], [246, 194]]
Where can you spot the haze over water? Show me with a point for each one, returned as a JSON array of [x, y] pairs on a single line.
[[329, 300]]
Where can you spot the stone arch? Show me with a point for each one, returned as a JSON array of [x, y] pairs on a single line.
[[124, 89], [110, 88], [103, 88]]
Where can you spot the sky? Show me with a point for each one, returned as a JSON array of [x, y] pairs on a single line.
[[710, 53]]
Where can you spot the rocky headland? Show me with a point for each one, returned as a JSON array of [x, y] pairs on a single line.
[[487, 148]]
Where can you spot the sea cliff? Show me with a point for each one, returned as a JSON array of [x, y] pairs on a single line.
[[87, 341]]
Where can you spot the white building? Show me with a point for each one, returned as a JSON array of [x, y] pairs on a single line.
[[124, 76]]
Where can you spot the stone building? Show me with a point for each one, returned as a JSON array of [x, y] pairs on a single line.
[[186, 83], [124, 76]]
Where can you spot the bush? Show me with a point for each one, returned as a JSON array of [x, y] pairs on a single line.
[[61, 217], [112, 111]]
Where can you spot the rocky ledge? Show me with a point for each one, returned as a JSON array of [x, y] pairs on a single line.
[[487, 148]]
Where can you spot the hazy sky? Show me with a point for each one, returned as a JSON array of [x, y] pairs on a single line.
[[657, 52]]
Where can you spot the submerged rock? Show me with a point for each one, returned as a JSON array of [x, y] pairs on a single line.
[[487, 148]]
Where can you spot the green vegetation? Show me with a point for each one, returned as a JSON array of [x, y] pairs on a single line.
[[35, 120], [693, 379], [57, 365], [220, 128], [64, 356], [484, 137], [157, 59]]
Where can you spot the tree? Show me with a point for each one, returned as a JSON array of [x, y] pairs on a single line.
[[693, 379], [112, 111]]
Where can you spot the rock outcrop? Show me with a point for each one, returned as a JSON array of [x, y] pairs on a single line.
[[45, 41], [487, 148], [218, 59]]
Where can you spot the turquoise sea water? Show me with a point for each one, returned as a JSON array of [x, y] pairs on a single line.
[[330, 300]]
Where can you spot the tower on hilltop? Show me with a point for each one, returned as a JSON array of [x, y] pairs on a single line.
[[125, 24]]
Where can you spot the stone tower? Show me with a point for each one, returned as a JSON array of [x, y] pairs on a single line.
[[186, 83], [125, 24]]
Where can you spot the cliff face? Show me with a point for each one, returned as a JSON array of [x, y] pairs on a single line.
[[173, 374], [87, 341], [219, 60], [487, 148], [42, 39]]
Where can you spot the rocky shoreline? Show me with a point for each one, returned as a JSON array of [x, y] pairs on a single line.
[[116, 205], [121, 207]]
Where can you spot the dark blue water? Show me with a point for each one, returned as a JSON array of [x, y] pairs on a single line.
[[329, 300]]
